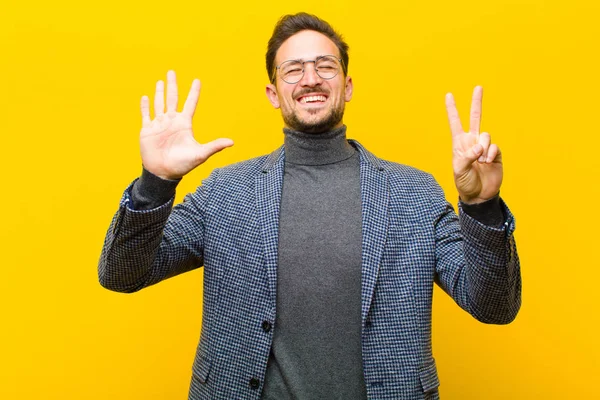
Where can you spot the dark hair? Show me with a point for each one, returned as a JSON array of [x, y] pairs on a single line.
[[289, 25]]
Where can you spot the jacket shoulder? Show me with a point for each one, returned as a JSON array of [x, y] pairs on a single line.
[[407, 176], [397, 173], [237, 178], [243, 168], [244, 171]]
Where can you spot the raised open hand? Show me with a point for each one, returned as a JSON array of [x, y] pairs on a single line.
[[167, 142], [476, 161]]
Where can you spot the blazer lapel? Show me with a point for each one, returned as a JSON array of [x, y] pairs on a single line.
[[268, 198], [375, 200]]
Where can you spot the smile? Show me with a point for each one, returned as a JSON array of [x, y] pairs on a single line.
[[312, 99]]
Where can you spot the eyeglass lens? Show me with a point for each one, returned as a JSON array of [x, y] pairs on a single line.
[[292, 71]]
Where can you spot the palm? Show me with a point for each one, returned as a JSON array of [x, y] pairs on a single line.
[[167, 143], [477, 164]]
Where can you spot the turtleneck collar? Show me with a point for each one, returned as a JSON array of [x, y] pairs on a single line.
[[317, 148]]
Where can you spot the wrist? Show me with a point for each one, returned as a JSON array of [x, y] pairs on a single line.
[[472, 201], [161, 174], [488, 212], [153, 190]]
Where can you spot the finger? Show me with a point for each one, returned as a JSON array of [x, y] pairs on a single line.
[[475, 122], [171, 92], [210, 148], [464, 162], [145, 108], [494, 154], [453, 119], [159, 99], [189, 108], [484, 141]]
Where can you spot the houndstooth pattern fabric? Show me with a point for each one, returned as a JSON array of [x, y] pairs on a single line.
[[411, 239]]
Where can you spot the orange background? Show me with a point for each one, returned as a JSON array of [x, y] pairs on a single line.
[[73, 74]]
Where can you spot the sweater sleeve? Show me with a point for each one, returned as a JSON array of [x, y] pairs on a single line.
[[150, 191], [489, 212]]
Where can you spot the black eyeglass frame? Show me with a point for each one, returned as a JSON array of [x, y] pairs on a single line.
[[341, 61]]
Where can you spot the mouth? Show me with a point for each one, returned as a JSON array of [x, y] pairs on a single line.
[[312, 98]]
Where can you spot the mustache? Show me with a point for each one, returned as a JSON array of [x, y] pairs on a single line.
[[302, 92]]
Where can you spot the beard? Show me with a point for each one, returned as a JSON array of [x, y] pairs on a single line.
[[326, 123]]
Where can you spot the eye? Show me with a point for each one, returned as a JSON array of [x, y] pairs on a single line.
[[291, 68], [327, 61]]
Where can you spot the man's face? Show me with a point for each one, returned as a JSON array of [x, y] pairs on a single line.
[[326, 97]]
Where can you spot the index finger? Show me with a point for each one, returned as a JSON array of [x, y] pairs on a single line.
[[476, 110], [192, 100], [453, 118]]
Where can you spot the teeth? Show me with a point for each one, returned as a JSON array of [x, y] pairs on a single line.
[[310, 99]]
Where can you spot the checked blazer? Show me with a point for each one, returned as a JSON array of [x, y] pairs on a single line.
[[411, 238]]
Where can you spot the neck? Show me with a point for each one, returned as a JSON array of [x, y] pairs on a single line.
[[317, 149]]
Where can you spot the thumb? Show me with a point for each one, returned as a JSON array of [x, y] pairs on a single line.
[[469, 157], [210, 148]]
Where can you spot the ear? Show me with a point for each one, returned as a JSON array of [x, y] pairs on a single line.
[[349, 89], [271, 92]]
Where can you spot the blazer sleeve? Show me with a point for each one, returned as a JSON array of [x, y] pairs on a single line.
[[143, 247], [476, 264]]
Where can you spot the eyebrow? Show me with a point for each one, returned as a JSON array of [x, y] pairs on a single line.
[[301, 60], [292, 59]]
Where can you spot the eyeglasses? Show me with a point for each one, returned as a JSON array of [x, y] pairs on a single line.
[[292, 71]]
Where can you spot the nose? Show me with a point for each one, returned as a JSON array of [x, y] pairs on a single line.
[[310, 77]]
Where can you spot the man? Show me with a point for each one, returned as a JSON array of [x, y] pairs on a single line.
[[319, 258]]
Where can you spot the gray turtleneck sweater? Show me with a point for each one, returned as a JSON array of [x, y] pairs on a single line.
[[316, 350]]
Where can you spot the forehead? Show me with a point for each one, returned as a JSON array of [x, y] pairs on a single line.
[[306, 45]]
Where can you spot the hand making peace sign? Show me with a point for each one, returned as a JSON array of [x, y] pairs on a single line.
[[167, 142], [477, 163]]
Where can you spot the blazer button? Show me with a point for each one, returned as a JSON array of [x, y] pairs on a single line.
[[254, 383], [266, 326]]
